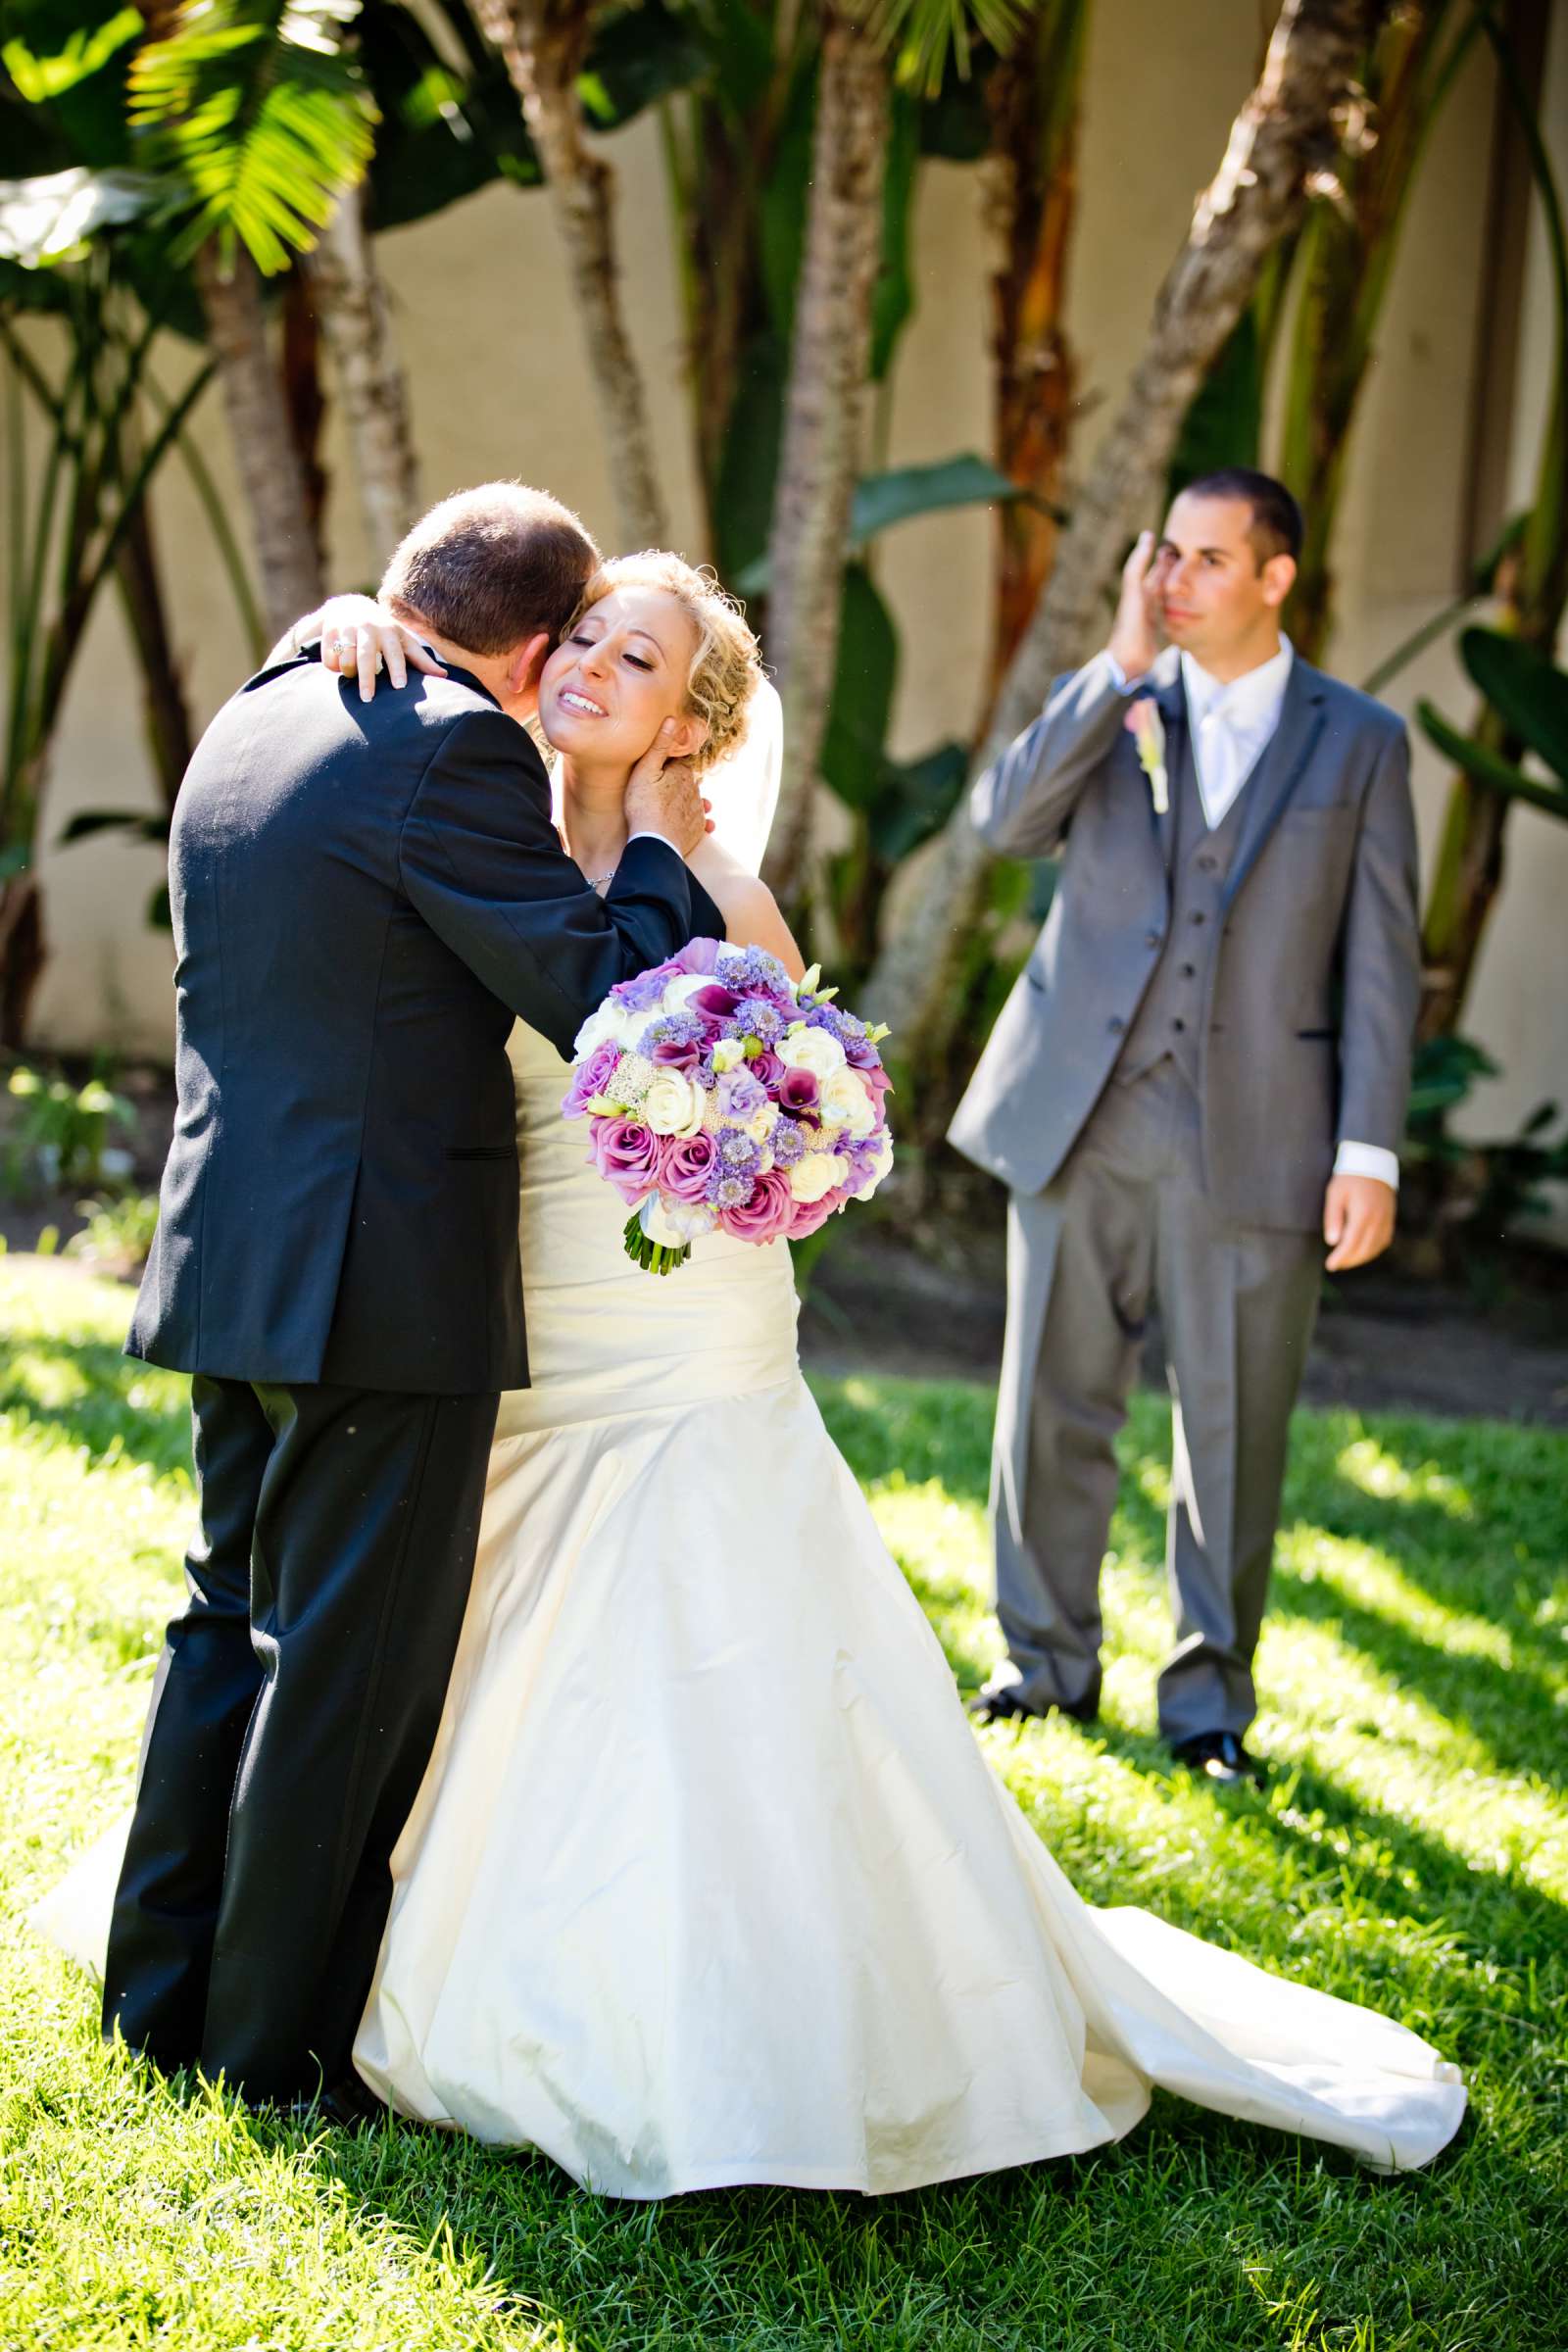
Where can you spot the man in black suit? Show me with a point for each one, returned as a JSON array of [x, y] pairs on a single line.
[[364, 895]]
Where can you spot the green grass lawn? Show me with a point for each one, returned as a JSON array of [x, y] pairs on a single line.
[[1412, 1850]]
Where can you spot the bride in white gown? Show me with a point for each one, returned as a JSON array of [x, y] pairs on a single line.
[[708, 1881]]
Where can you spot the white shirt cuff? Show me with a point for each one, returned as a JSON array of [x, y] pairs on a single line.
[[1118, 676], [1368, 1160], [647, 834]]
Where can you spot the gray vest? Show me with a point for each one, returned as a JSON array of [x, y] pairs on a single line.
[[1169, 1018]]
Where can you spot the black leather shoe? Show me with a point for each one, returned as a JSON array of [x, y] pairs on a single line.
[[352, 2105], [1006, 1706], [1218, 1756]]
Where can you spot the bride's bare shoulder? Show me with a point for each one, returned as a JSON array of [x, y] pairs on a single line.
[[751, 918]]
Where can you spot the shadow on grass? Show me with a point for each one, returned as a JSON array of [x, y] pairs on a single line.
[[85, 1388], [1513, 1712]]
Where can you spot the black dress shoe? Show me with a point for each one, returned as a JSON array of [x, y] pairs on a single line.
[[1218, 1756], [1006, 1706], [352, 2105]]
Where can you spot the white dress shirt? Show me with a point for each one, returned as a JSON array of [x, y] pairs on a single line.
[[1232, 722]]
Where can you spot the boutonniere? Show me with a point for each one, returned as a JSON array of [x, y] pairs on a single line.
[[1147, 730]]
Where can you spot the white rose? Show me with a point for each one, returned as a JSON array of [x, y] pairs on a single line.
[[813, 1049], [815, 1177], [671, 1222], [610, 1025], [673, 1104], [845, 1102], [729, 1055], [679, 991], [762, 1125]]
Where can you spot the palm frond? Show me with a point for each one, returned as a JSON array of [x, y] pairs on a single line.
[[926, 33], [260, 115]]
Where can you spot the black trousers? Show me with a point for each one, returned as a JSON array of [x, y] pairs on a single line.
[[295, 1708]]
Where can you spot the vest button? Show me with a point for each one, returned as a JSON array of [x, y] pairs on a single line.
[[1177, 1022], [1117, 1024], [1206, 864], [1198, 916], [1188, 972]]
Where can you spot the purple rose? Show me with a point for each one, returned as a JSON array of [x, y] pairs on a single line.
[[765, 1215], [809, 1214], [627, 1155], [590, 1079], [861, 1055], [699, 955], [689, 1164], [768, 1069], [799, 1092], [740, 1095]]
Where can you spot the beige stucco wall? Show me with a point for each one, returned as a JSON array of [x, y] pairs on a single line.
[[500, 386]]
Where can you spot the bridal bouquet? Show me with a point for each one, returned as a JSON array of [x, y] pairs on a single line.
[[721, 1095]]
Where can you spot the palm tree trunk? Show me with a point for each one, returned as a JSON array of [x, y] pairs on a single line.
[[1348, 259], [264, 453], [543, 43], [1033, 96], [1286, 132], [356, 319], [825, 413]]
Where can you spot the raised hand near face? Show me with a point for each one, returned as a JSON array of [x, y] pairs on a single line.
[[1136, 636], [662, 796]]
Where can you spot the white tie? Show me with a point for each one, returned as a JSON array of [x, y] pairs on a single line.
[[1220, 774]]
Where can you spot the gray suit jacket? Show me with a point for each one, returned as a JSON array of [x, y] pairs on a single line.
[[1312, 985]]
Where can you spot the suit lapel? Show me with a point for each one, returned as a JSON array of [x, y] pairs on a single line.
[[1279, 769]]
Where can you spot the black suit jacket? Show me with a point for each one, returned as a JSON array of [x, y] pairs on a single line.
[[364, 896]]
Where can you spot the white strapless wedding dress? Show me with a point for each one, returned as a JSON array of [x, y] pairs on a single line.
[[708, 1881]]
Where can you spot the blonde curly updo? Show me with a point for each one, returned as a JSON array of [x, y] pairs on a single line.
[[727, 661]]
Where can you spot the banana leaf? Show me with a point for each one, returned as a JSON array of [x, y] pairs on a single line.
[[853, 759], [117, 820], [1483, 765], [1526, 689], [882, 500]]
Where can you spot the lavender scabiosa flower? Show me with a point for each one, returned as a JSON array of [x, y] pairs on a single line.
[[756, 1017], [739, 1155], [787, 1143], [674, 1040], [726, 1191], [753, 968]]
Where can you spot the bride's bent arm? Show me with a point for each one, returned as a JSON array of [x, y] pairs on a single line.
[[752, 918], [359, 634]]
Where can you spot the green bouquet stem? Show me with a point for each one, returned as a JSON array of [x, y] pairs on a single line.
[[655, 1257]]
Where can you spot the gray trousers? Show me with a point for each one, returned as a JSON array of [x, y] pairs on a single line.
[[1125, 1222]]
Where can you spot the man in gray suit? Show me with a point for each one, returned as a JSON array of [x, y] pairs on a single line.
[[1203, 1069]]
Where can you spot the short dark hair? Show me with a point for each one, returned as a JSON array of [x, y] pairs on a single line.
[[489, 568], [1276, 525]]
